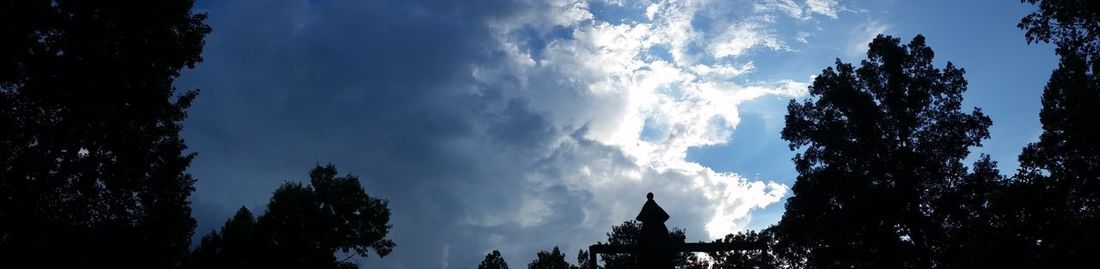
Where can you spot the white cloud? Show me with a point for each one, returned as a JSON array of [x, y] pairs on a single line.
[[739, 38], [801, 37], [827, 8], [787, 6], [545, 15], [635, 116], [862, 35], [722, 71], [651, 11], [445, 256]]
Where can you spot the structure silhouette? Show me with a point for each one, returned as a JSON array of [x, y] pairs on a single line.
[[655, 249]]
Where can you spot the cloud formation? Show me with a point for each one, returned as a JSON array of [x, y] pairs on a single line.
[[512, 125]]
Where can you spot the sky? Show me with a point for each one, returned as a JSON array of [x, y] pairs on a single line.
[[524, 125]]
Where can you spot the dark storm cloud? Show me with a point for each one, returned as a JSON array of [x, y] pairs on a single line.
[[379, 88]]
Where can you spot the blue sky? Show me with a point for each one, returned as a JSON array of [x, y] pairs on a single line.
[[524, 125]]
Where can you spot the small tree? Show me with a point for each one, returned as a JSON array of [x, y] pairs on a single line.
[[553, 259], [234, 246], [747, 259], [493, 260], [304, 227]]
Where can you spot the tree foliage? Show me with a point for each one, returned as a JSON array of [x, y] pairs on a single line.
[[881, 145], [1062, 169], [583, 260], [745, 259], [1072, 25], [234, 246], [553, 259], [493, 260], [1060, 174], [303, 227], [91, 163]]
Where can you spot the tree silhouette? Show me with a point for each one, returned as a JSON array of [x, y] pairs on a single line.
[[982, 220], [236, 246], [553, 259], [745, 259], [92, 167], [583, 261], [493, 260], [1060, 174], [1072, 25], [304, 227], [1062, 170], [880, 145]]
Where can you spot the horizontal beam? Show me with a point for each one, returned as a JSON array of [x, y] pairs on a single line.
[[613, 248], [716, 247], [683, 247]]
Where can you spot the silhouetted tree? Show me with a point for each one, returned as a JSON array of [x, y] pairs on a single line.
[[981, 215], [880, 145], [695, 262], [627, 234], [1060, 174], [1072, 25], [493, 260], [92, 168], [304, 227], [582, 259], [236, 246], [744, 259], [553, 259], [1062, 170]]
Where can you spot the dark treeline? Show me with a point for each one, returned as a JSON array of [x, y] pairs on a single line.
[[626, 233], [93, 166], [94, 169], [882, 181], [302, 227]]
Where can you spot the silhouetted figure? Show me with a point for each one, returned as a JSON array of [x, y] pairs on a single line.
[[92, 167], [304, 227], [655, 246], [629, 233]]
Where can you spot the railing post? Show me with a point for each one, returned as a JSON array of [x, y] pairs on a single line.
[[592, 258]]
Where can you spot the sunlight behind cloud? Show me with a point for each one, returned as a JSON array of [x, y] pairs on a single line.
[[605, 81]]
